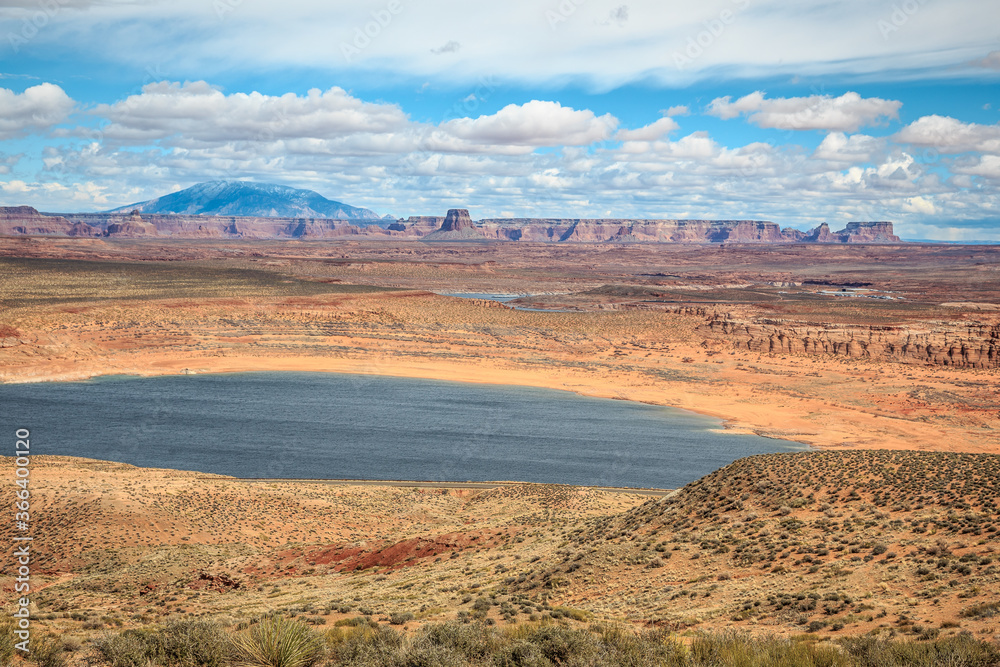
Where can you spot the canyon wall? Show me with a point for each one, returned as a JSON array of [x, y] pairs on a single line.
[[457, 225], [944, 344]]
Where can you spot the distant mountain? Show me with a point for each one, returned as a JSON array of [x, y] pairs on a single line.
[[262, 200]]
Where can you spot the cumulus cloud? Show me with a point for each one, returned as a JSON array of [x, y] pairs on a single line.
[[372, 154], [36, 109], [201, 112], [987, 166], [846, 113], [650, 132], [8, 162], [949, 135], [853, 149], [535, 123]]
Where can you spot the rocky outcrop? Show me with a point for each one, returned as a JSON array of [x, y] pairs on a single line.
[[27, 221], [869, 232], [821, 234], [457, 220], [855, 232], [131, 227], [456, 225], [959, 345]]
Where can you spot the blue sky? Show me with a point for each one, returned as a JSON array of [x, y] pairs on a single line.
[[799, 113]]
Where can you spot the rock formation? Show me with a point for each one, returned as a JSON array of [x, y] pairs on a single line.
[[965, 345], [457, 220], [456, 225], [855, 232], [132, 226], [27, 221]]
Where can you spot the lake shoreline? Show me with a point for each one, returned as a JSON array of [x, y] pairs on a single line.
[[730, 423]]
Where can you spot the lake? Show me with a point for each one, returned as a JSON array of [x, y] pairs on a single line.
[[340, 426]]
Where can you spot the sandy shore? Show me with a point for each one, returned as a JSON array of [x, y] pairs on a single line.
[[743, 408]]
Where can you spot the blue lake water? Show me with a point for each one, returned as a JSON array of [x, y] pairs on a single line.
[[339, 426]]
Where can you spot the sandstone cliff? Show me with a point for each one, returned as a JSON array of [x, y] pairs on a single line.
[[456, 225], [27, 221], [963, 345]]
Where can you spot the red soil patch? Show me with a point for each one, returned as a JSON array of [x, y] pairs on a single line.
[[400, 554]]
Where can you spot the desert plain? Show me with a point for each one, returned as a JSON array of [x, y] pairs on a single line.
[[883, 358]]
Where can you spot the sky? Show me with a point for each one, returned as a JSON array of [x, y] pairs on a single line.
[[796, 112]]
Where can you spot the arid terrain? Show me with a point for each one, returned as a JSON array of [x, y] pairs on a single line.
[[893, 346], [816, 545], [885, 357]]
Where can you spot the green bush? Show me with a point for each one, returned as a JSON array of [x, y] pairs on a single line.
[[365, 645], [46, 651], [7, 641], [131, 648], [961, 650], [184, 643], [401, 618], [734, 648], [277, 642], [981, 610]]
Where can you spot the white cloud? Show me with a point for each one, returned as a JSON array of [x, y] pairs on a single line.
[[8, 162], [919, 204], [990, 61], [535, 123], [853, 149], [372, 154], [846, 113], [987, 166], [201, 112], [650, 132], [588, 43], [36, 109], [949, 135]]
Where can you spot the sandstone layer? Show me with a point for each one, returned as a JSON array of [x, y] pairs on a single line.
[[961, 345], [457, 225]]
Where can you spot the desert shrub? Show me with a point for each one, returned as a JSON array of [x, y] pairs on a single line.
[[365, 645], [131, 648], [733, 648], [194, 643], [184, 643], [561, 645], [47, 651], [277, 642], [624, 646], [7, 641], [401, 618], [982, 610], [961, 649]]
